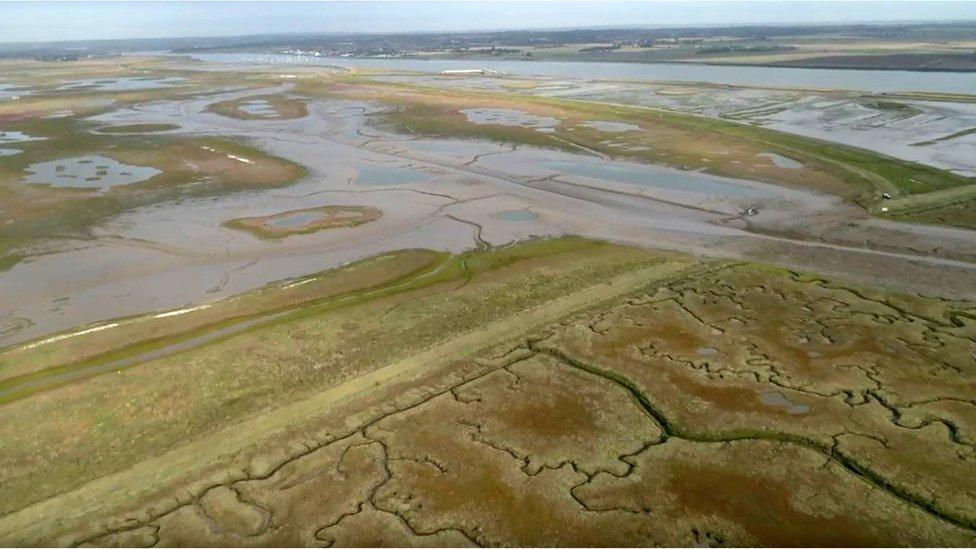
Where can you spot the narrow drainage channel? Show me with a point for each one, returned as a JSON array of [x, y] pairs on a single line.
[[670, 430]]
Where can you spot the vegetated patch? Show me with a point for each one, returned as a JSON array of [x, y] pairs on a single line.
[[261, 107], [958, 213], [336, 317], [138, 128], [305, 221], [782, 353], [957, 62], [621, 374], [892, 106], [187, 168]]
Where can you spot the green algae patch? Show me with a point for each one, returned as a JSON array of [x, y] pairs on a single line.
[[139, 128], [261, 107]]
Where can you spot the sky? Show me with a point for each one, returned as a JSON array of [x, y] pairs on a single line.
[[79, 20]]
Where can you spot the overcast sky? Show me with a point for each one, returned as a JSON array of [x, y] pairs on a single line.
[[48, 21]]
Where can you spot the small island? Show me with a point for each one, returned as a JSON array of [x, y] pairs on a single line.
[[304, 221]]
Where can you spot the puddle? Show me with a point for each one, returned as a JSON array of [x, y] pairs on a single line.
[[706, 351], [782, 161], [89, 172], [17, 137], [120, 84], [258, 107], [509, 117], [295, 220], [778, 400], [13, 92], [648, 176], [518, 215], [375, 174], [612, 127], [9, 152]]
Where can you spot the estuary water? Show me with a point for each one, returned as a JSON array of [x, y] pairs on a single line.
[[871, 81]]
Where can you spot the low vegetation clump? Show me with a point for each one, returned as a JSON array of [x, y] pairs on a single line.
[[261, 107], [305, 221], [138, 128]]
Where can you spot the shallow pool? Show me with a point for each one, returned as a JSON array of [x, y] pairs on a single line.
[[87, 172], [517, 215], [509, 117], [120, 84], [650, 176], [779, 400], [611, 127], [17, 137], [296, 220], [258, 107], [782, 161]]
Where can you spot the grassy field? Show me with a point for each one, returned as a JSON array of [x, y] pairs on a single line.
[[138, 128], [284, 108]]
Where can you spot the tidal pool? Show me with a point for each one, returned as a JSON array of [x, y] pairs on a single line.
[[612, 127], [120, 84], [783, 161], [8, 91], [509, 117], [778, 400], [378, 174], [9, 152], [88, 172], [518, 215], [706, 351], [295, 220], [17, 137], [258, 107], [649, 176]]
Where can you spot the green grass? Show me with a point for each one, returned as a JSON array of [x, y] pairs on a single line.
[[892, 106], [138, 128]]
